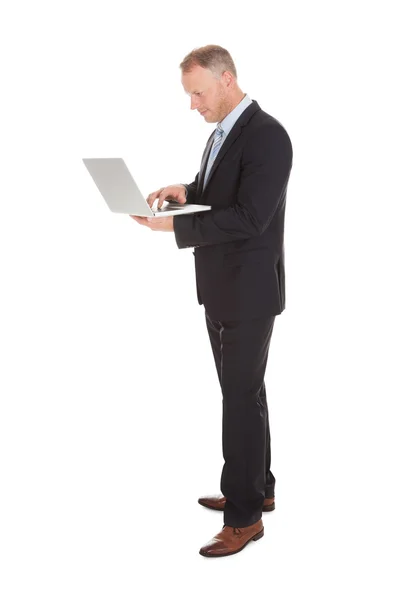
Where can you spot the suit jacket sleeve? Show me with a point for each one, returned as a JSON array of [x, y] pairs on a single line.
[[265, 170]]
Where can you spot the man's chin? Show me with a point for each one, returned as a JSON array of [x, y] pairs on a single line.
[[209, 118]]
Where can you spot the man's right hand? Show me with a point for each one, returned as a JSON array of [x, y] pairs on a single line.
[[172, 192]]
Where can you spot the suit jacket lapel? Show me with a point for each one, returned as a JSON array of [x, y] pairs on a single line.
[[204, 161], [232, 136]]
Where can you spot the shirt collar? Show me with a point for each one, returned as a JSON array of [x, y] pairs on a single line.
[[233, 116]]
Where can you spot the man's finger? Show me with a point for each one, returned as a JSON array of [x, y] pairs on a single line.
[[153, 196], [181, 198], [161, 199]]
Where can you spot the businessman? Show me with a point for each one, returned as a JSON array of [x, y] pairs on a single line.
[[240, 276]]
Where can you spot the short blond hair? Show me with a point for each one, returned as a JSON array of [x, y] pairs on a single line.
[[214, 58]]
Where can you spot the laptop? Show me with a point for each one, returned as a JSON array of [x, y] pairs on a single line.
[[122, 195]]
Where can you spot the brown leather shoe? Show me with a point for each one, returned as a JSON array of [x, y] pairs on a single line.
[[232, 539], [217, 502]]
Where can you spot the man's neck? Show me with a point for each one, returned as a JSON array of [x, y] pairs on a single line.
[[235, 102]]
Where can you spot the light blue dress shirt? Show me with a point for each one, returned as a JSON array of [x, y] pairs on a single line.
[[227, 125]]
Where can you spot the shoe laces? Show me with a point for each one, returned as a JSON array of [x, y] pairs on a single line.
[[236, 530]]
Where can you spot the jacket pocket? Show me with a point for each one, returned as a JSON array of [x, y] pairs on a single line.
[[247, 257]]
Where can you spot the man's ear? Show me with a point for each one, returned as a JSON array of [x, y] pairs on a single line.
[[228, 78]]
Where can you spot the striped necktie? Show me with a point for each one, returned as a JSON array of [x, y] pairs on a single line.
[[214, 150]]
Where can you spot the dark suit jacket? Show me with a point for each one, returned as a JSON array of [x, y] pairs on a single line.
[[239, 243]]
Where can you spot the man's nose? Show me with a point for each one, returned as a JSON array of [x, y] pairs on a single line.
[[194, 103]]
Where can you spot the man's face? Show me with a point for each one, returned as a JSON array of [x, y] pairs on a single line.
[[207, 94]]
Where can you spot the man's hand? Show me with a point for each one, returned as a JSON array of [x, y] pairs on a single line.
[[172, 192], [156, 223], [175, 192]]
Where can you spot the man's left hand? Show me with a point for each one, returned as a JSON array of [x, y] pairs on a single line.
[[156, 223]]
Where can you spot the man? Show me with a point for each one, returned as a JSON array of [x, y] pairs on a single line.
[[240, 276]]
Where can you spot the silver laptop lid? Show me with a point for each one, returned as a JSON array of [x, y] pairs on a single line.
[[117, 186]]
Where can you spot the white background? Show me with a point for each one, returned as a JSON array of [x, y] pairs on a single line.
[[110, 424]]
